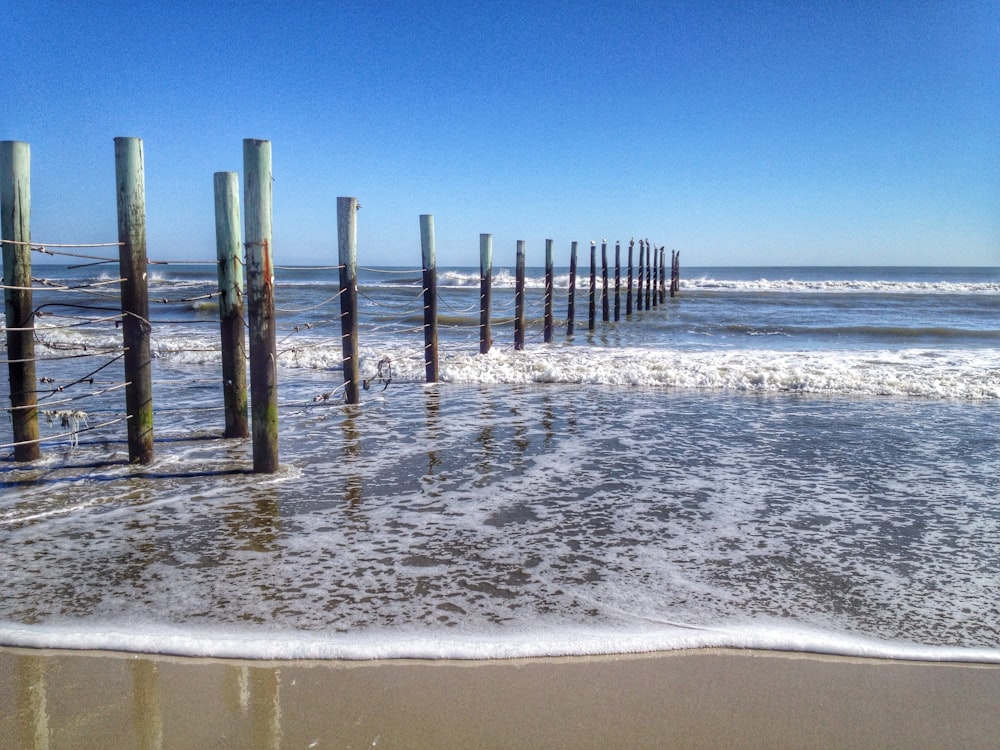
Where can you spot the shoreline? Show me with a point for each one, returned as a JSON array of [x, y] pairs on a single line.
[[691, 698]]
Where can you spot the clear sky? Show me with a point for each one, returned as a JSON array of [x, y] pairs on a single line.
[[740, 133]]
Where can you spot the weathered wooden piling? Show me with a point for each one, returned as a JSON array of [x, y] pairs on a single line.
[[649, 278], [592, 312], [429, 259], [618, 280], [347, 242], [628, 293], [663, 274], [136, 330], [605, 299], [229, 251], [260, 305], [549, 280], [654, 285], [571, 292], [485, 292], [640, 275], [675, 273], [519, 297], [15, 205]]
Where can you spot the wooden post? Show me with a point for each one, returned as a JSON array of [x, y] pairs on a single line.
[[15, 200], [605, 299], [260, 305], [649, 275], [592, 314], [571, 309], [229, 250], [131, 184], [655, 282], [639, 276], [485, 292], [663, 275], [519, 297], [618, 280], [347, 240], [549, 280], [430, 297], [628, 293]]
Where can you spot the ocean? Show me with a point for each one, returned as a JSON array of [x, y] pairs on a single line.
[[802, 459]]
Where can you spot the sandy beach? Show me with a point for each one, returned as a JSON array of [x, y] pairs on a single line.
[[689, 699]]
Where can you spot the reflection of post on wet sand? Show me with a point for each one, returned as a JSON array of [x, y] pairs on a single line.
[[147, 718], [486, 437], [433, 406], [265, 707], [32, 711], [353, 482], [256, 525], [548, 418]]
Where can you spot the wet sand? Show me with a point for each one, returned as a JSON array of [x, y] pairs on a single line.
[[688, 699]]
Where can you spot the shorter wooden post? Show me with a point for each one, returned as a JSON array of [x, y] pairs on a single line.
[[519, 298], [260, 305], [229, 251], [592, 313], [663, 274], [347, 240], [571, 309], [131, 187], [485, 292], [618, 280], [654, 285], [640, 275], [605, 299], [549, 280], [15, 200], [649, 277], [428, 256], [628, 293]]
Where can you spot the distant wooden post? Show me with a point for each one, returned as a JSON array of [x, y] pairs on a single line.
[[675, 272], [628, 294], [485, 292], [571, 309], [549, 280], [649, 276], [229, 251], [654, 285], [519, 297], [605, 299], [618, 280], [429, 260], [15, 199], [347, 241], [663, 274], [639, 275], [592, 313], [131, 187], [260, 305]]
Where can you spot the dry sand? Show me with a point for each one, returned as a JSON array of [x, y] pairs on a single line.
[[689, 699]]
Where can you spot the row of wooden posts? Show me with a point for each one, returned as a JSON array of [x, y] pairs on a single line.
[[259, 297]]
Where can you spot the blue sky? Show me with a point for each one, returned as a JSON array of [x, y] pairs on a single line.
[[819, 133]]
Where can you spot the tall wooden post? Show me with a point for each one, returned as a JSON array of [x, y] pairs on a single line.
[[229, 250], [260, 305], [605, 300], [663, 274], [649, 277], [430, 297], [618, 280], [639, 276], [549, 281], [675, 286], [654, 285], [519, 297], [485, 292], [347, 240], [628, 294], [131, 184], [592, 311], [15, 200], [571, 309]]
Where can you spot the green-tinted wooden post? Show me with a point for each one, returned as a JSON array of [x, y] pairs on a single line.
[[260, 305], [605, 299], [229, 251], [136, 330], [15, 199], [571, 309], [519, 297], [347, 237], [592, 310], [549, 282], [618, 280], [628, 293], [430, 297], [485, 292]]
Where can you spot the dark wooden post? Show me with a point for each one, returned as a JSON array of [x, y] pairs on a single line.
[[605, 299], [640, 275], [429, 259], [229, 251], [628, 293], [485, 292], [649, 277], [618, 280], [592, 313], [549, 280], [15, 199], [131, 188], [519, 297], [571, 309], [260, 305], [663, 274], [347, 240], [654, 285]]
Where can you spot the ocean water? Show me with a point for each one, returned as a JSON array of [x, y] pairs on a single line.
[[791, 458]]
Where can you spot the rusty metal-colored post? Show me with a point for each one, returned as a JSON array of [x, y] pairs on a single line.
[[549, 281], [347, 239], [430, 297], [229, 250], [571, 308], [260, 305], [592, 312], [519, 297], [485, 292], [628, 294], [15, 199], [605, 300], [131, 186], [618, 281]]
